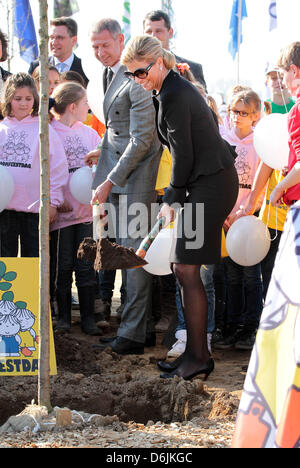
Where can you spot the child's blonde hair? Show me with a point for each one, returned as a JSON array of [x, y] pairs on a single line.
[[65, 94], [233, 92], [249, 98], [12, 84]]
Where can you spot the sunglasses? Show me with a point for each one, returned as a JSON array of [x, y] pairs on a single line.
[[140, 73]]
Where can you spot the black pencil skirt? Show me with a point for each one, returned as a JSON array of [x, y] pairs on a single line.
[[198, 229]]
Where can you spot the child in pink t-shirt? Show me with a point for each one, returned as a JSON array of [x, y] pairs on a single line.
[[20, 155], [244, 284], [74, 221]]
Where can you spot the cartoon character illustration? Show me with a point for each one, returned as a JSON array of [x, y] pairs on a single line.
[[26, 320], [75, 151], [16, 148], [9, 338], [7, 307], [242, 166]]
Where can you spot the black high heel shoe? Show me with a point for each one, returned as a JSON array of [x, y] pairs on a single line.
[[166, 366], [206, 370], [169, 366]]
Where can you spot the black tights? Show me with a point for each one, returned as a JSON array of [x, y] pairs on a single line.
[[194, 302]]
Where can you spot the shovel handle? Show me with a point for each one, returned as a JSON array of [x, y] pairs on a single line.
[[98, 225], [147, 242]]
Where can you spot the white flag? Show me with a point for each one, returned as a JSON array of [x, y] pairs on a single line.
[[126, 20], [273, 14]]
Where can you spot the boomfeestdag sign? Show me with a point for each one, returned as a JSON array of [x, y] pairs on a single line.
[[19, 318]]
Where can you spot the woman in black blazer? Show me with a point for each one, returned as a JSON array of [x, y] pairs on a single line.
[[204, 185]]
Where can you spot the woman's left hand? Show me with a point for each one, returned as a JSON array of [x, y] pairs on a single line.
[[102, 192], [168, 213]]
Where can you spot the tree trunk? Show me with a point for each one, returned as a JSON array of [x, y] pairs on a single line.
[[44, 294]]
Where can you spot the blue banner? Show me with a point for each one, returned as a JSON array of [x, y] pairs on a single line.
[[238, 13], [25, 31], [273, 15]]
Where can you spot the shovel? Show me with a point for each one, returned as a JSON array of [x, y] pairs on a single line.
[[107, 255]]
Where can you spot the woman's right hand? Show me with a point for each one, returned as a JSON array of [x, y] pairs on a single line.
[[168, 213]]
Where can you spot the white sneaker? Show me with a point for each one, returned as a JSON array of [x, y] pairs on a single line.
[[178, 348]]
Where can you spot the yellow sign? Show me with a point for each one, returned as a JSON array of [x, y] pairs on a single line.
[[19, 318]]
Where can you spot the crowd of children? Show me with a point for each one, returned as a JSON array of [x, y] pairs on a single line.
[[236, 293]]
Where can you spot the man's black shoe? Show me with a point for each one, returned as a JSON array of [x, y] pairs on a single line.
[[107, 339], [122, 346], [149, 343], [150, 340]]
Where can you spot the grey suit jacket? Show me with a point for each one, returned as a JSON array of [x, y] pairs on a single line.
[[131, 150]]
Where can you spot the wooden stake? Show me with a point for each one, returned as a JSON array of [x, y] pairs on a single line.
[[44, 347]]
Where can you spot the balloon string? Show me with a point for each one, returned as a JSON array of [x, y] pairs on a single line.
[[282, 95], [267, 229]]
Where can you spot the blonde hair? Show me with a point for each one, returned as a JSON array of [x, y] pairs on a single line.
[[65, 94], [249, 98], [148, 49], [233, 92]]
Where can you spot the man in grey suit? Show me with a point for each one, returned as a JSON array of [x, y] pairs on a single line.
[[157, 23], [126, 174]]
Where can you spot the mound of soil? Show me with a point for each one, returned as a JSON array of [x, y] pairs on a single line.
[[128, 386]]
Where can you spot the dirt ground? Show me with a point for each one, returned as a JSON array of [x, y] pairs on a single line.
[[147, 410]]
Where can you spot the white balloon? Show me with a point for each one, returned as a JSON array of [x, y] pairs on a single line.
[[81, 185], [159, 253], [271, 139], [7, 188], [95, 97], [248, 241]]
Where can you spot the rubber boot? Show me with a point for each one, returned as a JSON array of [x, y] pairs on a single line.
[[86, 296], [64, 307]]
